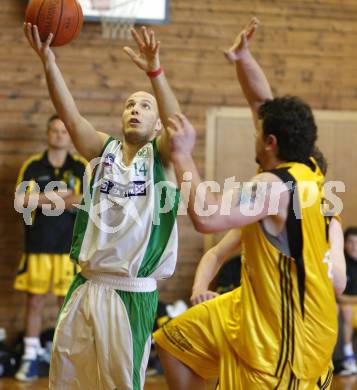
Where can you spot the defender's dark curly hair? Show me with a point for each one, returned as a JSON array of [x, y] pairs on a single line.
[[291, 121]]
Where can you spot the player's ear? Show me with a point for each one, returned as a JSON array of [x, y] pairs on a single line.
[[271, 142], [158, 125]]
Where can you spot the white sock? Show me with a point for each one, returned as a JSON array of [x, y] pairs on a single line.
[[348, 349], [32, 345]]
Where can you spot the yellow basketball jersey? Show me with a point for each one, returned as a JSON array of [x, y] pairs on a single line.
[[287, 312]]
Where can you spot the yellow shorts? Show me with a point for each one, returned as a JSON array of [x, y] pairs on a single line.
[[38, 272], [198, 339], [354, 318]]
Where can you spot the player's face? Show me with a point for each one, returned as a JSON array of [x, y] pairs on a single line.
[[57, 135], [351, 246], [140, 118]]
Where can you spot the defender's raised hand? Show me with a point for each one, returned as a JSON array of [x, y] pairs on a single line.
[[148, 57], [182, 136], [241, 43], [41, 48]]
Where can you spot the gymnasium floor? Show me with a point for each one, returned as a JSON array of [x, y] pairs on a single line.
[[158, 383]]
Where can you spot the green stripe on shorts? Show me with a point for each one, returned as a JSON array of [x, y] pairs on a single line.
[[141, 308]]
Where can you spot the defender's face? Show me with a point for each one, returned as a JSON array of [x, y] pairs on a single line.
[[351, 246], [57, 135], [140, 118]]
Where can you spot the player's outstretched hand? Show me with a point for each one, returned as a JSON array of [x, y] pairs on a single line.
[[202, 296], [182, 136], [241, 43], [41, 48], [147, 57]]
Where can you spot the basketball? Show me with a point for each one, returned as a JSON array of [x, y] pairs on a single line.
[[63, 18]]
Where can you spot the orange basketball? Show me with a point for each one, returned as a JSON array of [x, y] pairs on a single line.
[[63, 18]]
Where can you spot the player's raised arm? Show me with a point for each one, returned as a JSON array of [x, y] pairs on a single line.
[[338, 259], [251, 77], [86, 139], [148, 59], [210, 263], [256, 196]]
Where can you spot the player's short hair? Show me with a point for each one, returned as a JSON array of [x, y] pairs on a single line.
[[51, 119], [291, 121], [350, 231]]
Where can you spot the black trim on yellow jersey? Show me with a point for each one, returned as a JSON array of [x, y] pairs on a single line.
[[293, 382], [280, 366], [327, 381], [294, 230], [287, 316]]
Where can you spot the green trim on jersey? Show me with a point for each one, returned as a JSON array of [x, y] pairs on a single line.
[[163, 222], [141, 308], [81, 222]]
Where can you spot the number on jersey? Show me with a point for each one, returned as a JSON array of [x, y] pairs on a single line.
[[140, 170]]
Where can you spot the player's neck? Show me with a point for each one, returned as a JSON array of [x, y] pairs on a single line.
[[129, 151], [271, 163], [56, 157]]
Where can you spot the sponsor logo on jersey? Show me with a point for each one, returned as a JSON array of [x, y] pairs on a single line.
[[133, 188], [144, 152], [109, 159]]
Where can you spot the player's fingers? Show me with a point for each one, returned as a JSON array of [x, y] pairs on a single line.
[[152, 40], [251, 31], [25, 28], [174, 123], [134, 57], [171, 132], [36, 36], [137, 38], [48, 41], [244, 39], [181, 118], [130, 52], [28, 33], [157, 47], [145, 35], [255, 20], [251, 22]]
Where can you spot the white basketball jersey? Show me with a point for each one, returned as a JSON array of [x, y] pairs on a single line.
[[127, 222]]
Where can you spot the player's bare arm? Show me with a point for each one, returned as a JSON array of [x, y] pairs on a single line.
[[61, 200], [147, 58], [86, 139], [211, 262], [338, 259], [257, 199], [251, 77]]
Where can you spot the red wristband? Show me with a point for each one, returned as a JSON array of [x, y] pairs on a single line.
[[155, 73]]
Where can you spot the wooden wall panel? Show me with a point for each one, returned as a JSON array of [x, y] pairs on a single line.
[[307, 47]]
